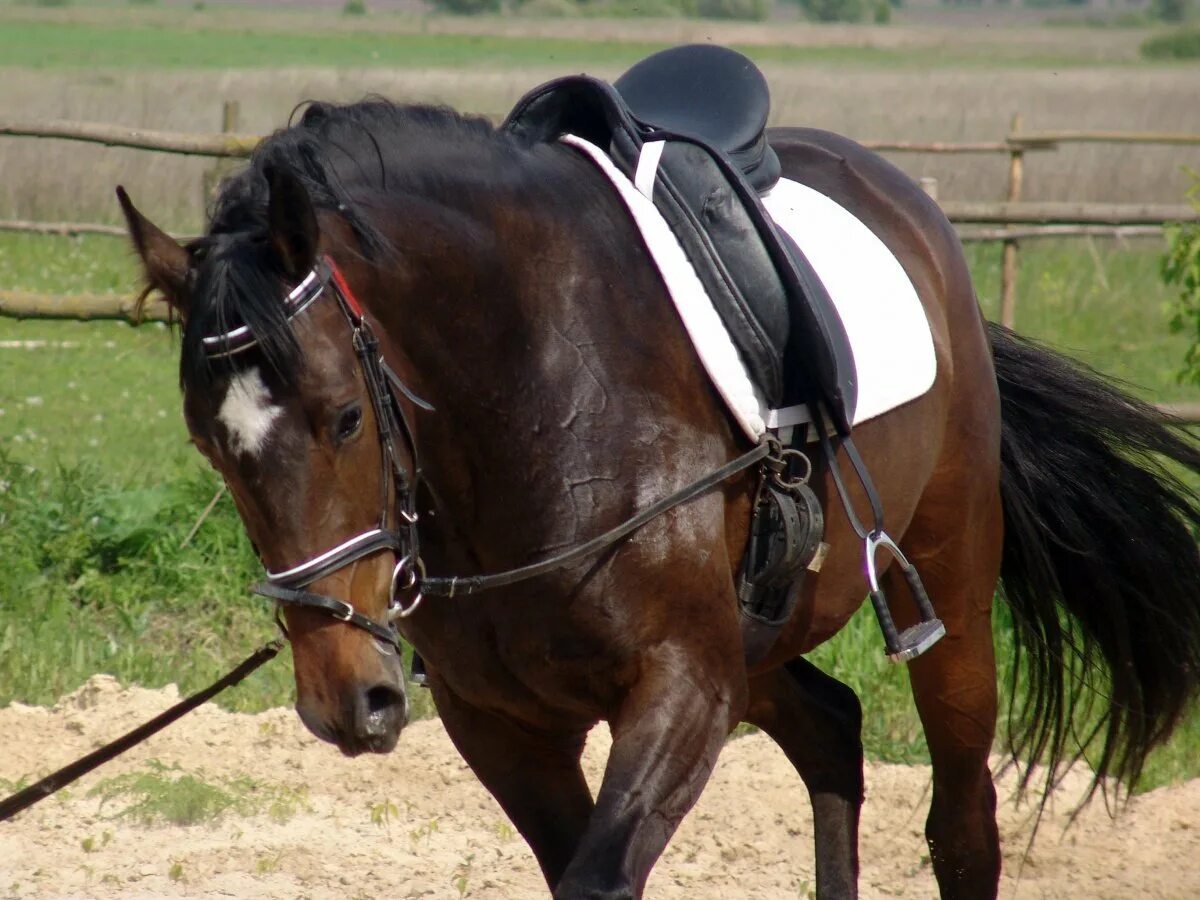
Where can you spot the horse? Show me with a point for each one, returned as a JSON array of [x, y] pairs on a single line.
[[402, 320]]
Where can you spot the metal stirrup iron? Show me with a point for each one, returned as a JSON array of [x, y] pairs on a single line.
[[901, 646], [915, 640]]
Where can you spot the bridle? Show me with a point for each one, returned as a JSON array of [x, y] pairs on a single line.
[[397, 527]]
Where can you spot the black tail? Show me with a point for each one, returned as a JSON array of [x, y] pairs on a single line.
[[1101, 564]]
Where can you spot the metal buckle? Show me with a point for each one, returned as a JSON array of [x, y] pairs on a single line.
[[346, 615]]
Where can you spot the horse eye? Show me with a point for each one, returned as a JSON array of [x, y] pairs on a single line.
[[348, 424]]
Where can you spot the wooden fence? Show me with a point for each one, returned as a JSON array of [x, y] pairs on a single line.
[[1008, 222]]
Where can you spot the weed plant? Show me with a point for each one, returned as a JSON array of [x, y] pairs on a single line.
[[167, 794]]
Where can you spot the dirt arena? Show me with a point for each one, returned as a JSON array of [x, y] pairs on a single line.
[[417, 824]]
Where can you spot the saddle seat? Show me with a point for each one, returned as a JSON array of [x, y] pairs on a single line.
[[711, 93]]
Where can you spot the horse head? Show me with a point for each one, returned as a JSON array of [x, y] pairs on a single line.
[[276, 400]]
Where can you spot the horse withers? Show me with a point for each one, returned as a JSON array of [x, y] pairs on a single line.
[[531, 388]]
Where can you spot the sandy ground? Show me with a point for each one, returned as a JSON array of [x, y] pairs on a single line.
[[749, 837]]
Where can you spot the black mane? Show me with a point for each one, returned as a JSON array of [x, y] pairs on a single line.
[[342, 155]]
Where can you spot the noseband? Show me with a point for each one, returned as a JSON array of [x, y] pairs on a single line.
[[408, 575]]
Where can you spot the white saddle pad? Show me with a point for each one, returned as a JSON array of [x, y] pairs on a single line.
[[884, 320]]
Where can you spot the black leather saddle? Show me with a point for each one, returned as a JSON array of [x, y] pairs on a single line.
[[710, 93], [709, 105]]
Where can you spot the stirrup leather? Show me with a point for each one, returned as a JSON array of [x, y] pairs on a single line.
[[913, 641]]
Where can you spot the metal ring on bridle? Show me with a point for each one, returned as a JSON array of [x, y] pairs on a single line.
[[415, 572]]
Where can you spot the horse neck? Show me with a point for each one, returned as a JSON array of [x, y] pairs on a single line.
[[515, 293], [538, 328]]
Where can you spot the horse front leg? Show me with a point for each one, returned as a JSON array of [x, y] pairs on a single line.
[[535, 776], [667, 735]]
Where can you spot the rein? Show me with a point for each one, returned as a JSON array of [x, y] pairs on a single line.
[[25, 798], [408, 576]]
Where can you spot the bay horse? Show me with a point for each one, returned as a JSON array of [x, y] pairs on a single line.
[[538, 390]]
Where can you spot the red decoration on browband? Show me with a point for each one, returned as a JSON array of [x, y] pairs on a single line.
[[344, 288]]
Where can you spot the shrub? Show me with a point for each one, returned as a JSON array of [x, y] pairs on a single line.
[[1181, 270], [354, 8], [835, 10], [883, 12], [753, 10], [547, 9], [1170, 10], [650, 9], [467, 7], [1182, 44]]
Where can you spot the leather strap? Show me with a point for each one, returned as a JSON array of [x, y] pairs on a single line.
[[339, 609], [24, 799], [342, 555], [449, 587]]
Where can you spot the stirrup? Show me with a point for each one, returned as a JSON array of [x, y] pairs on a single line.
[[915, 640]]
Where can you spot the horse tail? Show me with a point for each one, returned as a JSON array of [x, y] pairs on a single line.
[[1101, 566]]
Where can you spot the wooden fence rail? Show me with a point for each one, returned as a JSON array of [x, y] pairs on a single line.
[[188, 144], [25, 305], [114, 306], [69, 229], [228, 144], [1008, 222], [1052, 213]]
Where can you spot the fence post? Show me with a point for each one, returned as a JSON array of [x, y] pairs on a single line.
[[929, 185], [1008, 271], [230, 115]]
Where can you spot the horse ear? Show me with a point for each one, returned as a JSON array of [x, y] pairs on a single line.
[[291, 222], [163, 258]]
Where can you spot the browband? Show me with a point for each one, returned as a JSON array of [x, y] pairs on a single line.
[[299, 299]]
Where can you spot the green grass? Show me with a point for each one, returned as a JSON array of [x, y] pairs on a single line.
[[94, 577], [1102, 304], [103, 393], [166, 794], [163, 44]]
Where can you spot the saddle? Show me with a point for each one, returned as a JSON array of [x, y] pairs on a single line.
[[688, 127]]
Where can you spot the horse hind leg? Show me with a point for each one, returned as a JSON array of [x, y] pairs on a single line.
[[817, 722], [954, 684]]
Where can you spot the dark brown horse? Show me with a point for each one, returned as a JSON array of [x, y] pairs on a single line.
[[512, 295]]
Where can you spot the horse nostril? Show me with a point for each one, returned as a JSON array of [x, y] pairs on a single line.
[[383, 697], [384, 710]]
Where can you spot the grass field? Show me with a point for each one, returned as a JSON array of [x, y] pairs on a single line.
[[197, 44], [99, 487]]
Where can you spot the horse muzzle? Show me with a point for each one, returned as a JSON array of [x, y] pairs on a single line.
[[368, 718]]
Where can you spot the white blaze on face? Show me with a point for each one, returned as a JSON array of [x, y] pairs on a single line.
[[247, 413]]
